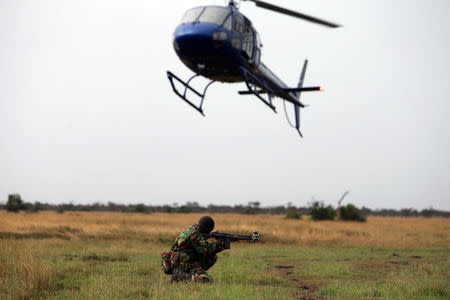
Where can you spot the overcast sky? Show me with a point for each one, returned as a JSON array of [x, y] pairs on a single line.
[[87, 113]]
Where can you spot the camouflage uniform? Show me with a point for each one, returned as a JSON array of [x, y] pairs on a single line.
[[191, 253]]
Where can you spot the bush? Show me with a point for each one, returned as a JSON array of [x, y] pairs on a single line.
[[184, 209], [292, 214], [167, 209], [139, 208], [15, 203], [351, 213], [320, 213], [32, 210], [248, 211]]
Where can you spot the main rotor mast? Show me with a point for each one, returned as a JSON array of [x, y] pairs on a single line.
[[234, 4]]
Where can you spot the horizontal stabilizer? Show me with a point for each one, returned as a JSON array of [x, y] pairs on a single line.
[[305, 89], [295, 90]]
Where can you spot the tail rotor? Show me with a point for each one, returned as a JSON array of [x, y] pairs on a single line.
[[297, 107]]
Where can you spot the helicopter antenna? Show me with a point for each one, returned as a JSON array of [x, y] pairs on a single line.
[[235, 4]]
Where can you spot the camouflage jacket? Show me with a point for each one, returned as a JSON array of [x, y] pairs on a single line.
[[193, 244]]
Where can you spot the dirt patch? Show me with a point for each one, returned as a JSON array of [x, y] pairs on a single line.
[[284, 267], [285, 270], [372, 265], [344, 259], [305, 290], [399, 262]]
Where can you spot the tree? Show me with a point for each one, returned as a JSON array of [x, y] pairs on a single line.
[[139, 208], [15, 203], [255, 204], [320, 213], [351, 213], [340, 202]]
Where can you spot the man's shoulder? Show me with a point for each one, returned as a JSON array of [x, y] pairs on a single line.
[[192, 230]]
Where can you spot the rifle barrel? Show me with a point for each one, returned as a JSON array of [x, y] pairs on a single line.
[[225, 235]]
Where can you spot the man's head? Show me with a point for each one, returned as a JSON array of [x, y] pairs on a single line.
[[206, 224]]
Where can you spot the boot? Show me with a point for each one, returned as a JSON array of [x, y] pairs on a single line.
[[180, 275]]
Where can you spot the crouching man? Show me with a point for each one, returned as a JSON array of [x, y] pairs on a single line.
[[191, 255]]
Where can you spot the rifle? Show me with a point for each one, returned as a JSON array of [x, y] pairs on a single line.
[[227, 237]]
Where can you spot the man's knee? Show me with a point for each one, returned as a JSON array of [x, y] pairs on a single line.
[[180, 260], [207, 263]]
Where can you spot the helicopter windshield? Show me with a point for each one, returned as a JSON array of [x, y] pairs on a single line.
[[192, 15], [209, 14]]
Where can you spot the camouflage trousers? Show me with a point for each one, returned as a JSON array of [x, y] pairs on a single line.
[[195, 267]]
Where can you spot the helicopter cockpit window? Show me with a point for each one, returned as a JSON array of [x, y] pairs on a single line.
[[228, 22], [248, 42], [258, 41], [192, 15], [239, 24], [215, 15]]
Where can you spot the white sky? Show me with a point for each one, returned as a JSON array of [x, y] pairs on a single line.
[[87, 113]]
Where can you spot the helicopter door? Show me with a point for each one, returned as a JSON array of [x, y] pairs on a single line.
[[257, 58], [247, 47], [257, 53]]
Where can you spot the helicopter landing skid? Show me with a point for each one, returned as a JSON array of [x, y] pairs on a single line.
[[251, 81], [187, 87]]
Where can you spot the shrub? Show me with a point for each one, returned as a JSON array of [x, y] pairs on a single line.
[[248, 211], [139, 208], [292, 214], [167, 209], [320, 213], [351, 213], [32, 210], [184, 209], [15, 203]]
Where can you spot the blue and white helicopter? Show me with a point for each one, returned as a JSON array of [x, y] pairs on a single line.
[[220, 43]]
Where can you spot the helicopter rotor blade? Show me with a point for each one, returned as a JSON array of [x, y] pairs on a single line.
[[292, 13]]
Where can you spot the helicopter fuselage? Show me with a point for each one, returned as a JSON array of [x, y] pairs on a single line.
[[219, 42]]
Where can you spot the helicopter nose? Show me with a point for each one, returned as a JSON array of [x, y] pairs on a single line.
[[195, 39]]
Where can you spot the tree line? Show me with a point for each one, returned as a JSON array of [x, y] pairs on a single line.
[[15, 204]]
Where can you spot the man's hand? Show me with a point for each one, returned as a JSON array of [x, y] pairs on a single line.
[[223, 243], [234, 238], [220, 243]]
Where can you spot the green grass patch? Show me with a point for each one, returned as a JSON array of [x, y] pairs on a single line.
[[130, 269]]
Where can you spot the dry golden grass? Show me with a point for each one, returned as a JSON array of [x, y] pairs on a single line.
[[378, 231], [25, 270]]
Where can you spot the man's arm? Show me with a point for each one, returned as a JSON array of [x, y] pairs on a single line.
[[205, 248]]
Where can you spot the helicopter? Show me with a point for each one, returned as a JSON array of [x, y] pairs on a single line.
[[222, 45]]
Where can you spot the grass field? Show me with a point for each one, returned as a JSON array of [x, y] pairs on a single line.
[[116, 256]]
